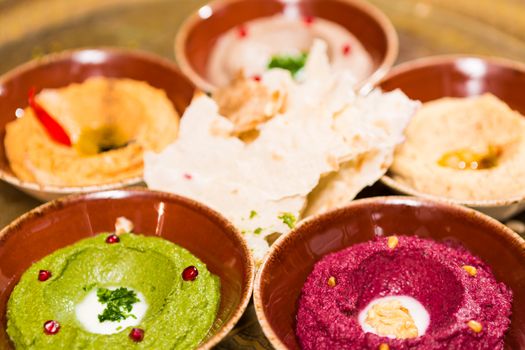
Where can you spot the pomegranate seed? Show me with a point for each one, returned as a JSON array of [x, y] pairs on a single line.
[[346, 49], [242, 32], [136, 334], [187, 176], [256, 77], [44, 275], [51, 327], [308, 20], [190, 273], [112, 239]]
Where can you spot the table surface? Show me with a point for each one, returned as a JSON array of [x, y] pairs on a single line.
[[31, 28]]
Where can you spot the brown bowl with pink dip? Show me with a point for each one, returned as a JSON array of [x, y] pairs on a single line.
[[394, 273]]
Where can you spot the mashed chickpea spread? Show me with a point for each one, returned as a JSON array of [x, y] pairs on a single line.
[[465, 149]]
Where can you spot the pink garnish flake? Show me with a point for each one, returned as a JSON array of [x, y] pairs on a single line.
[[51, 327], [242, 32], [257, 77], [347, 49], [136, 334], [44, 275], [308, 20], [187, 176]]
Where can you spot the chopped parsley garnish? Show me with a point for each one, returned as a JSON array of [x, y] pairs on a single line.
[[288, 219], [89, 287], [253, 214], [257, 231], [119, 303], [291, 63]]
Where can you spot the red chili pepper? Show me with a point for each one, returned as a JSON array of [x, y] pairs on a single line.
[[53, 128]]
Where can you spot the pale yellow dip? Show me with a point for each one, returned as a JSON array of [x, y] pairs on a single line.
[[476, 126], [142, 117], [263, 38]]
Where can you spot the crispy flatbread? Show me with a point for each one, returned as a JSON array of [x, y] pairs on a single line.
[[321, 131]]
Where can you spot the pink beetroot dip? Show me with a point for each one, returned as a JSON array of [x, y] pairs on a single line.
[[428, 271]]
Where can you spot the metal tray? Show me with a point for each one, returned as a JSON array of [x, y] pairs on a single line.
[[31, 28]]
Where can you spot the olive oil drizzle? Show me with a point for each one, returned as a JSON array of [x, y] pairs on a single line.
[[466, 159], [106, 137]]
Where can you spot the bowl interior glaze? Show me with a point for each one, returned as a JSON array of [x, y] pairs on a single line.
[[291, 260], [62, 69], [184, 222], [199, 33], [431, 78]]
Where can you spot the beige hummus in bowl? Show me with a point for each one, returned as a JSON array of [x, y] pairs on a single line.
[[469, 150], [466, 145]]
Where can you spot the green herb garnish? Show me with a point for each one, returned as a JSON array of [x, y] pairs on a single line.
[[119, 303], [288, 219], [253, 214], [89, 287], [291, 63], [257, 231]]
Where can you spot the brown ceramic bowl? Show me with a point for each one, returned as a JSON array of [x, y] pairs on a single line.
[[61, 69], [291, 259], [189, 224], [431, 78], [199, 33]]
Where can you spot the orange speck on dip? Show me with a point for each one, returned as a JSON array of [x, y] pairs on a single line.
[[392, 242], [475, 326], [331, 281], [471, 270]]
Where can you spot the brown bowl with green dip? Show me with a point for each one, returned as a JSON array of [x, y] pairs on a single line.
[[121, 270]]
